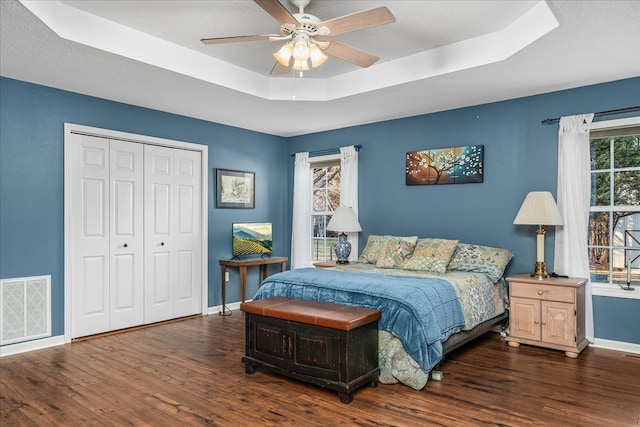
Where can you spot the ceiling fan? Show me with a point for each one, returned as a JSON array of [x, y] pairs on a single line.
[[305, 36]]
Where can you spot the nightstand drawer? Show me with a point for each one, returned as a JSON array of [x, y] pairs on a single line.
[[545, 292]]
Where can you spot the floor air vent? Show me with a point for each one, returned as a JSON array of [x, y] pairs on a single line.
[[25, 309]]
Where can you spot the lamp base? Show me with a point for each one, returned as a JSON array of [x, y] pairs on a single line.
[[540, 271], [343, 249]]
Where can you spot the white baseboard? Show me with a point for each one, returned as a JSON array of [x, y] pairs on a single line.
[[23, 347], [616, 345]]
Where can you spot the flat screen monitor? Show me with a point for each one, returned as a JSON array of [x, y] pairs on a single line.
[[252, 238]]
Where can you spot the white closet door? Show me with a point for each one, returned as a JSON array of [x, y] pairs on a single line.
[[172, 233], [89, 235], [107, 241], [188, 235], [159, 251], [127, 242]]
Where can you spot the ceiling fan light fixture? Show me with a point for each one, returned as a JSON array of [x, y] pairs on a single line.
[[301, 50], [300, 65], [283, 56], [317, 56]]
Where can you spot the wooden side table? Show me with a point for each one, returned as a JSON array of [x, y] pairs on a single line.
[[242, 265], [325, 264], [548, 313]]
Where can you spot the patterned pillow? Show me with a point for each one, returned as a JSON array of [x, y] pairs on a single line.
[[431, 255], [369, 254], [395, 251], [482, 259]]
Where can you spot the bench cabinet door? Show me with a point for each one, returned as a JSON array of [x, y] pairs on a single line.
[[316, 351], [266, 340]]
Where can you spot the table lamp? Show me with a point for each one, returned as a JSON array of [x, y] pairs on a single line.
[[343, 221], [539, 208]]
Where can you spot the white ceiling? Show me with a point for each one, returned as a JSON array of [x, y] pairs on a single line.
[[437, 56]]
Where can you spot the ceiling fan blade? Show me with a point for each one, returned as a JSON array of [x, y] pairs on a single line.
[[277, 10], [350, 54], [278, 68], [359, 20], [237, 39]]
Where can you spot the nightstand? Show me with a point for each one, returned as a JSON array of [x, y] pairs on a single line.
[[547, 313], [325, 264]]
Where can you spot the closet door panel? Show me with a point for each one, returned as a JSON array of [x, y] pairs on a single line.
[[159, 247], [89, 235], [184, 282], [161, 295], [187, 236], [127, 235]]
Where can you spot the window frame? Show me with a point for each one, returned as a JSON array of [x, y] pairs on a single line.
[[612, 289], [315, 162]]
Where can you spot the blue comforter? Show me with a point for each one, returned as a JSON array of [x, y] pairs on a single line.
[[422, 312]]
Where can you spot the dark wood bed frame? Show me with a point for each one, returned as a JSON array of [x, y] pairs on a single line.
[[461, 338]]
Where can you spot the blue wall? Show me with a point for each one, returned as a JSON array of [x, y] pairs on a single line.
[[520, 156], [32, 178]]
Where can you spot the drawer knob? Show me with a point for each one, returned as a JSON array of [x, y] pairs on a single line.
[[540, 292]]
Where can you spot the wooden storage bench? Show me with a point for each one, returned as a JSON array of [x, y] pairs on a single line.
[[330, 345]]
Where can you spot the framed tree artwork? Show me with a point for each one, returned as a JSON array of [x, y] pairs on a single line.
[[235, 189], [454, 165]]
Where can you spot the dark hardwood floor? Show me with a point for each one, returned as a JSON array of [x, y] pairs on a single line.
[[189, 373]]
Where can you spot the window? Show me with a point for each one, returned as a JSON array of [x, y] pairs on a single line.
[[614, 217], [325, 183]]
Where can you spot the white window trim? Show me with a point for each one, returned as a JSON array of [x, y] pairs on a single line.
[[322, 159], [612, 289], [314, 162]]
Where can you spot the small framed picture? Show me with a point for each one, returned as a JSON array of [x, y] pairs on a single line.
[[235, 189]]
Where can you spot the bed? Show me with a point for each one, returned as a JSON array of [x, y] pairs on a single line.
[[435, 295]]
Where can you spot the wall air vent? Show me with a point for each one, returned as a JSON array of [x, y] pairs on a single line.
[[25, 309]]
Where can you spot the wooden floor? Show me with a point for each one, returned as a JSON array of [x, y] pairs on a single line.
[[189, 373]]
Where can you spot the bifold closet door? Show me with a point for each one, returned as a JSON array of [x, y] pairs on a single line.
[[106, 235], [173, 282]]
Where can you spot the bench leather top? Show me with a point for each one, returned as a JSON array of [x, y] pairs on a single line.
[[334, 316]]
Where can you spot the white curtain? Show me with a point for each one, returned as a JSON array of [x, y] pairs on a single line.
[[349, 190], [301, 223], [574, 192]]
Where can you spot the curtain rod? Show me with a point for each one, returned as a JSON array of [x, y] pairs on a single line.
[[601, 113], [327, 151]]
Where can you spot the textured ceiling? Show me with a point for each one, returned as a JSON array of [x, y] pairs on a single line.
[[438, 55]]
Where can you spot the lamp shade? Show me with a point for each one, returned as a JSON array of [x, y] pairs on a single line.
[[344, 220], [300, 65], [301, 49], [539, 208], [316, 56], [284, 54]]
